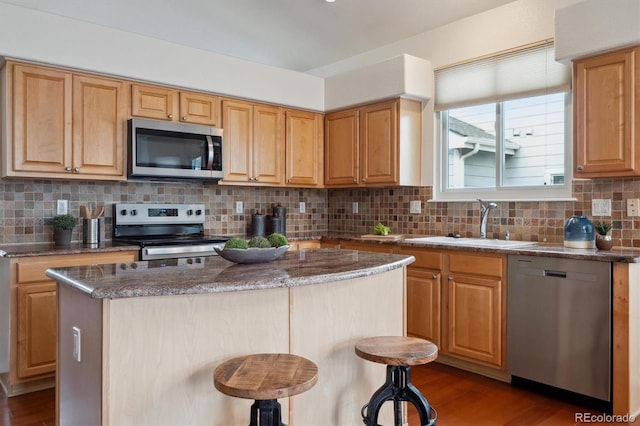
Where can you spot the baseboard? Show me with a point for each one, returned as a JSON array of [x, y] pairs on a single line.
[[25, 387]]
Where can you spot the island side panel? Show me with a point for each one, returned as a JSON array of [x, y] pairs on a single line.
[[160, 353], [79, 363], [326, 322]]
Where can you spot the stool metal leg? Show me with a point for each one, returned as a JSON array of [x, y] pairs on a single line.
[[398, 387], [266, 412]]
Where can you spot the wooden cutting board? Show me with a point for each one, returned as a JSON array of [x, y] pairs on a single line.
[[390, 237]]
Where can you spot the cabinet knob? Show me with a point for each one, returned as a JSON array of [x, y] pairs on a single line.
[[580, 168], [169, 116], [67, 169], [435, 276], [450, 278], [76, 169], [289, 181], [184, 118], [364, 180]]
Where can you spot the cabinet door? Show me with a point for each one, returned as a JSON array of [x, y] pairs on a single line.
[[379, 143], [41, 120], [341, 148], [607, 114], [423, 304], [268, 145], [379, 248], [475, 314], [199, 108], [303, 149], [99, 116], [37, 332], [237, 122], [154, 102]]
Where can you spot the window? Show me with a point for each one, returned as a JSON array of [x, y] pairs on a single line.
[[504, 128]]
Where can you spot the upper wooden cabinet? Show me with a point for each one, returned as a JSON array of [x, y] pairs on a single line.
[[253, 144], [304, 149], [164, 103], [607, 114], [63, 125], [374, 145]]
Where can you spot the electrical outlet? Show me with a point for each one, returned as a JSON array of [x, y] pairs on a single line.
[[239, 207], [601, 207], [62, 207], [303, 207], [633, 207], [354, 207], [415, 206]]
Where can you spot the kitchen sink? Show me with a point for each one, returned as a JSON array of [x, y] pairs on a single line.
[[470, 242]]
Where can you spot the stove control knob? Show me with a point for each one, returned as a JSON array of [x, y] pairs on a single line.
[[189, 212], [123, 212], [198, 212], [134, 212]]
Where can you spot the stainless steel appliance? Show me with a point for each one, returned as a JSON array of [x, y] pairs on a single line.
[[559, 323], [162, 149], [164, 231]]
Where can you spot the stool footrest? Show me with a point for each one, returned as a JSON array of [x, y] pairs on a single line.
[[398, 388]]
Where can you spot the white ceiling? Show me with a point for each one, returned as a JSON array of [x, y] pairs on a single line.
[[298, 35]]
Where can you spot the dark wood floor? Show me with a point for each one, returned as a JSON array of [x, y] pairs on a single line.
[[460, 398]]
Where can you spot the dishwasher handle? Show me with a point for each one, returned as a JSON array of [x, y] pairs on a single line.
[[555, 274]]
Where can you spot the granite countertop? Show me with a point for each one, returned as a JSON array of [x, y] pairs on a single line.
[[214, 274], [617, 254], [50, 249]]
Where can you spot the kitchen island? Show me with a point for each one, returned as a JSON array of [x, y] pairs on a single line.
[[138, 342]]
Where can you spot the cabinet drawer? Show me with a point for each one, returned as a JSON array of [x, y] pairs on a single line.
[[33, 270], [424, 258], [476, 264]]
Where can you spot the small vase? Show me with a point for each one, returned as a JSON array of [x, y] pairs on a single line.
[[604, 242], [63, 237]]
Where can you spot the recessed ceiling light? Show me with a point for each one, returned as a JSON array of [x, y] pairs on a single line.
[[329, 1]]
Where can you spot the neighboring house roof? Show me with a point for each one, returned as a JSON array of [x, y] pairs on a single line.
[[477, 139]]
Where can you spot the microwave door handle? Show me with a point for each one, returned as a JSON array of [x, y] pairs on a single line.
[[210, 153]]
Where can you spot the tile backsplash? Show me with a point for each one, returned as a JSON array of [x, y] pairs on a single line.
[[27, 205]]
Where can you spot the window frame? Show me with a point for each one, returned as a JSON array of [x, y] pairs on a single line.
[[561, 192]]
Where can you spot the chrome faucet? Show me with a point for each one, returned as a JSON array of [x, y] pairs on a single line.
[[484, 215]]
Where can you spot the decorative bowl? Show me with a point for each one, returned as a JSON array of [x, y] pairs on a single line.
[[252, 254]]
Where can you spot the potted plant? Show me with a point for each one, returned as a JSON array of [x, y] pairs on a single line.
[[62, 228], [603, 239]]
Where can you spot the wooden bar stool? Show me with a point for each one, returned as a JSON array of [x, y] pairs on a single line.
[[399, 354], [265, 378]]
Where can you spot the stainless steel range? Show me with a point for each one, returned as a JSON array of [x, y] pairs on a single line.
[[164, 231]]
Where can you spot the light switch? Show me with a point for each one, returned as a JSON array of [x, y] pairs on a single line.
[[415, 206], [303, 207]]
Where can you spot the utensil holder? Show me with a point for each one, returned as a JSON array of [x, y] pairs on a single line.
[[91, 231]]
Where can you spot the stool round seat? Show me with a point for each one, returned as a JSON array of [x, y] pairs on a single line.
[[265, 376], [396, 350]]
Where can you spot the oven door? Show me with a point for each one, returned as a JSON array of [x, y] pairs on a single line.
[[179, 251], [174, 150]]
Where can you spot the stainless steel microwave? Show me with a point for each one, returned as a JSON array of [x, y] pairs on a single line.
[[162, 149]]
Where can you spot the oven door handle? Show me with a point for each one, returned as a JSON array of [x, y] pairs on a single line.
[[210, 153], [188, 249]]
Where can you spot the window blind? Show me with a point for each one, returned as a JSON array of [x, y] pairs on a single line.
[[530, 71]]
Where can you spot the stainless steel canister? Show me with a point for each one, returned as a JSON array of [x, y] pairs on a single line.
[[91, 229]]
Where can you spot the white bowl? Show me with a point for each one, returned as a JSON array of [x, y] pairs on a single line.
[[252, 254]]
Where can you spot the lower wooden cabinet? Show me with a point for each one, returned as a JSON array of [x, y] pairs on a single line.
[[33, 315], [379, 248], [474, 300]]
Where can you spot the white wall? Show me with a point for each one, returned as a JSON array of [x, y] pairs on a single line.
[[42, 37]]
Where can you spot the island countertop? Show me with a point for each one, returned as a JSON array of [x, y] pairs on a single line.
[[214, 274]]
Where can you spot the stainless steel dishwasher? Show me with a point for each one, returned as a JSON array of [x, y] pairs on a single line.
[[559, 323]]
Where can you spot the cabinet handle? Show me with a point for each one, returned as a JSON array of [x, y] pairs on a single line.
[[170, 116], [580, 168]]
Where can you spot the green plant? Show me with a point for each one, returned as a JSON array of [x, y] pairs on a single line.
[[237, 243], [277, 240], [603, 228], [63, 222], [259, 242], [381, 229]]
